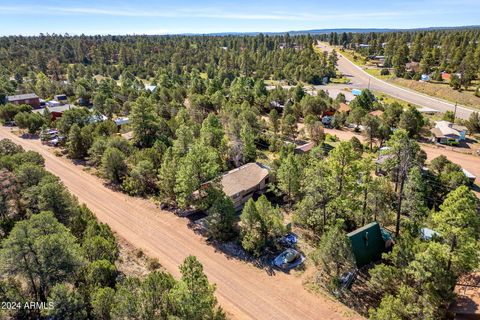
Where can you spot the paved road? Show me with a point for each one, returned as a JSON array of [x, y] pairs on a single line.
[[469, 162], [244, 291], [361, 79]]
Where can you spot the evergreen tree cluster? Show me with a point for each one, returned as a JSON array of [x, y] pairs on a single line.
[[54, 251]]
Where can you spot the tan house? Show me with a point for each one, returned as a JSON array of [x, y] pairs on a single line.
[[446, 132], [241, 183]]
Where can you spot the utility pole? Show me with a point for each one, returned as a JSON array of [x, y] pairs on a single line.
[[369, 83], [455, 112]]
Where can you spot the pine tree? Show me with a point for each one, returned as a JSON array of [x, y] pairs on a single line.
[[144, 122], [289, 176], [75, 143], [113, 165]]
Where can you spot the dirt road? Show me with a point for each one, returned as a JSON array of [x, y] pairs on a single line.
[[360, 80], [244, 291]]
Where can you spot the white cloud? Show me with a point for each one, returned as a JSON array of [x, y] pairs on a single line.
[[205, 13]]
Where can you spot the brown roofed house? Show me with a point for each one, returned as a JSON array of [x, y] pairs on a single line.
[[29, 98], [241, 183]]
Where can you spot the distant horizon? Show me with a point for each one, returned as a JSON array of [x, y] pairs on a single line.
[[239, 33], [150, 17]]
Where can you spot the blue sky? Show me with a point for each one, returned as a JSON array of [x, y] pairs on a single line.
[[189, 16]]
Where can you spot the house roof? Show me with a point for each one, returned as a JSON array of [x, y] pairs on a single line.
[[376, 113], [468, 174], [412, 66], [436, 132], [367, 244], [61, 96], [22, 97], [343, 107], [459, 128], [150, 88], [243, 178], [427, 110], [58, 108], [445, 129], [121, 121], [468, 295], [305, 147]]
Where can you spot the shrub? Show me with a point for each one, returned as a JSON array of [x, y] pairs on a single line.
[[153, 264]]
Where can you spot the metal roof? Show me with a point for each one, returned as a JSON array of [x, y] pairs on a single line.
[[22, 97], [367, 244]]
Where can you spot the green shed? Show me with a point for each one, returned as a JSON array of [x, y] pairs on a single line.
[[367, 244]]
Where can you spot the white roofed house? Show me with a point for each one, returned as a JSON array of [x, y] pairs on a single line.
[[446, 132]]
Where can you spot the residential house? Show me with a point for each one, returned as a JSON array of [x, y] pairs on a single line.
[[446, 132], [30, 98], [381, 161], [368, 243], [61, 98], [242, 183], [55, 111]]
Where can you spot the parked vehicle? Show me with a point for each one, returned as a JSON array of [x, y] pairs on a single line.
[[346, 279], [289, 240], [288, 259]]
